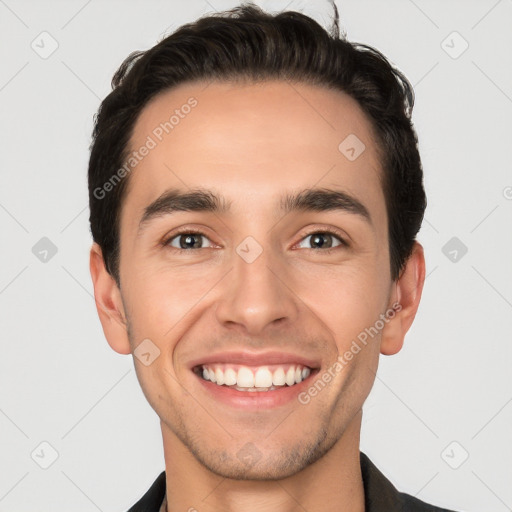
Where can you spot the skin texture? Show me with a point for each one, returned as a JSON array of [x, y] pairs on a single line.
[[252, 143]]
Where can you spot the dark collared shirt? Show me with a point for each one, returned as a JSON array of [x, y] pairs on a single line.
[[379, 494]]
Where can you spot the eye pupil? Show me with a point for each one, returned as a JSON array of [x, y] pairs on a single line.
[[315, 239], [189, 239]]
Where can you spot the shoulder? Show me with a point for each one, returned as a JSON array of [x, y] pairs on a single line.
[[382, 496], [152, 499], [412, 504]]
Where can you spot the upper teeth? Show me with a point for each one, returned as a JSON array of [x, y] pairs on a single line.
[[255, 377]]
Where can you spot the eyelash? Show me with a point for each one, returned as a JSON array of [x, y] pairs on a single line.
[[330, 231]]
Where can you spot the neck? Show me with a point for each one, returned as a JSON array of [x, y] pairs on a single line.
[[333, 483]]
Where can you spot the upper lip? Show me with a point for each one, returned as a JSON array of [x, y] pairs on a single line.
[[255, 359]]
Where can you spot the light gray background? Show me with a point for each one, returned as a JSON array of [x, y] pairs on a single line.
[[60, 382]]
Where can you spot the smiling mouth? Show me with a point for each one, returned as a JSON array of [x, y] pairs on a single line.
[[254, 378]]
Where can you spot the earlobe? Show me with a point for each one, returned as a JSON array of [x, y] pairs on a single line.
[[108, 303], [407, 296]]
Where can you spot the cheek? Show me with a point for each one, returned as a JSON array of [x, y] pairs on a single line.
[[161, 300], [347, 301]]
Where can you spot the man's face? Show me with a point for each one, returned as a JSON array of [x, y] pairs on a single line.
[[255, 279]]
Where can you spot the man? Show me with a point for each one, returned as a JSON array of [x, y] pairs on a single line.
[[255, 193]]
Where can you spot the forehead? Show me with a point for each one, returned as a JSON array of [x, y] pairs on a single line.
[[252, 142]]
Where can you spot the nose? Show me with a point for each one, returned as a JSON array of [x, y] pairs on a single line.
[[258, 295]]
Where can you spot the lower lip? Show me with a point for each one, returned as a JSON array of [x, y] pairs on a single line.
[[256, 399]]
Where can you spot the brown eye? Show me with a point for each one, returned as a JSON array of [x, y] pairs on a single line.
[[323, 240], [186, 241]]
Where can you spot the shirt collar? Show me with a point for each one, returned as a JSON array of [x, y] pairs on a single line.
[[379, 493]]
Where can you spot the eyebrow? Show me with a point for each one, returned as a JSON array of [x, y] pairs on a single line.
[[203, 200]]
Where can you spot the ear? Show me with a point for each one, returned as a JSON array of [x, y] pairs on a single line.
[[108, 303], [406, 298]]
